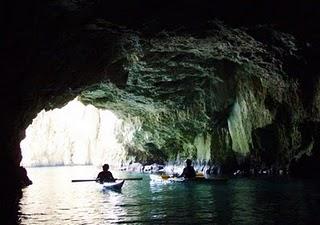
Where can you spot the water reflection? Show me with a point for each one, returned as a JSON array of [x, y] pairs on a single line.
[[53, 199], [199, 202], [242, 202]]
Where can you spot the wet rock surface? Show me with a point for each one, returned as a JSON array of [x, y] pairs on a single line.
[[242, 95], [224, 96]]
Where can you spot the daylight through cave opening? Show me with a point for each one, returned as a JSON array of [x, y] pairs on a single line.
[[77, 134]]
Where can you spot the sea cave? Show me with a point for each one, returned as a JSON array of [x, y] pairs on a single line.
[[86, 85]]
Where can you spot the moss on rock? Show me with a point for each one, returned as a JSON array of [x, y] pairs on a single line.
[[217, 97]]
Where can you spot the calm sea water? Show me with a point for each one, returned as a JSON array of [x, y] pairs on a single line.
[[54, 200]]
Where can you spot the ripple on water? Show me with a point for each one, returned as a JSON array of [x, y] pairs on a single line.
[[58, 201]]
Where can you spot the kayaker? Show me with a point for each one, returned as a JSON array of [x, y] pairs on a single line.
[[188, 171], [105, 175]]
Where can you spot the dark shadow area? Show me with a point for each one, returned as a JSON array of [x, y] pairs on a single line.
[[38, 63]]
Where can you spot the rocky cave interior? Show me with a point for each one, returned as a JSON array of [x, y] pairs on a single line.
[[242, 96]]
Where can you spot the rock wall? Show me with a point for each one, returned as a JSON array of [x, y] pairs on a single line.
[[254, 91], [231, 87], [224, 85]]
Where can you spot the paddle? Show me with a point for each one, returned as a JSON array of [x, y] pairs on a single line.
[[88, 180]]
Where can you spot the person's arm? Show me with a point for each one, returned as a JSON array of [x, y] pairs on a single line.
[[194, 174], [111, 177], [182, 174], [98, 179]]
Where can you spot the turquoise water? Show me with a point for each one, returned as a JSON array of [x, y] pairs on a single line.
[[53, 199]]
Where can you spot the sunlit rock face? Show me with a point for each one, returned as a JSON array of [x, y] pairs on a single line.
[[219, 98], [77, 135]]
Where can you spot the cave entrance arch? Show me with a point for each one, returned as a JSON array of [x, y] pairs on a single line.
[[77, 134]]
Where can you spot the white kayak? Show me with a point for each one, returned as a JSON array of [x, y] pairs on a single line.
[[116, 185]]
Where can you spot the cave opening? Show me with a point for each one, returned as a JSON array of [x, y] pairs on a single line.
[[78, 134], [234, 87]]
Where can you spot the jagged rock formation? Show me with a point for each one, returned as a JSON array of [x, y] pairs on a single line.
[[222, 96], [237, 96]]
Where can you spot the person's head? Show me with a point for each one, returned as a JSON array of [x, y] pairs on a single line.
[[188, 162], [105, 167]]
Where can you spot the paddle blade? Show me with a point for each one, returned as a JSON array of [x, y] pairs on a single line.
[[130, 178], [88, 180]]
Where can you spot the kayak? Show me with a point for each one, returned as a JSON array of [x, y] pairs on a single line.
[[169, 179], [165, 178], [116, 185]]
